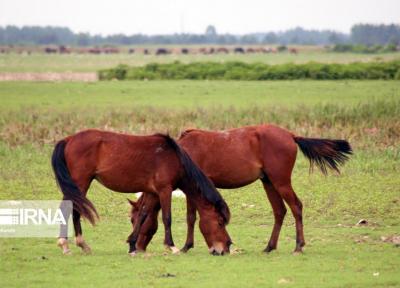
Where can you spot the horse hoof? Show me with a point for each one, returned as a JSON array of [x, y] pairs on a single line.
[[132, 254], [268, 249], [87, 250], [175, 250], [297, 252], [63, 244], [185, 249]]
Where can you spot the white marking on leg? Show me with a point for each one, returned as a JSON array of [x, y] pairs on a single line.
[[63, 244], [175, 250]]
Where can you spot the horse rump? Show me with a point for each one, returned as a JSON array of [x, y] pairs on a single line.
[[67, 186]]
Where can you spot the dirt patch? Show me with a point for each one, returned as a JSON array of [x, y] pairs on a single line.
[[395, 239], [55, 77]]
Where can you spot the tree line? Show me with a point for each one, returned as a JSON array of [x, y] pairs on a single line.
[[366, 34]]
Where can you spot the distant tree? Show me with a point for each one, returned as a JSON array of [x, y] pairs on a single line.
[[211, 34], [211, 31], [364, 34], [83, 39], [270, 38], [369, 34]]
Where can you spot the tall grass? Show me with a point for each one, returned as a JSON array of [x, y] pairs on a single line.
[[373, 124]]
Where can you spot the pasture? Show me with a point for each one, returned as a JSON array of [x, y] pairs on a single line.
[[40, 62], [338, 253]]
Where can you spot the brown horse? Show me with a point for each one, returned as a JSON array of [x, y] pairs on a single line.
[[238, 157], [155, 165]]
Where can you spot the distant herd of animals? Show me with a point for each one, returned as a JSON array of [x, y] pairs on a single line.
[[197, 163], [146, 51]]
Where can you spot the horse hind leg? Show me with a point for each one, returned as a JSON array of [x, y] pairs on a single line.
[[62, 240], [79, 241], [83, 185], [279, 211], [278, 166], [290, 197]]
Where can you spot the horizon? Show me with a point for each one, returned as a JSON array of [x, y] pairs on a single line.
[[192, 17]]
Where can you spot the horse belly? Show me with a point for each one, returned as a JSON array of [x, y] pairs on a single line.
[[234, 177], [123, 184], [125, 176]]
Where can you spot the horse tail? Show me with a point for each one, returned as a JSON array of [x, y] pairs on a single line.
[[201, 182], [68, 187], [325, 153]]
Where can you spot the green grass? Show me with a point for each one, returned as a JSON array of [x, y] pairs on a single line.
[[338, 253], [192, 94], [92, 63]]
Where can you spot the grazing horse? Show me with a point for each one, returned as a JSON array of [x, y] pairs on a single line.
[[155, 165], [238, 157]]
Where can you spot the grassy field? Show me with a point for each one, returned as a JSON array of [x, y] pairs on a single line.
[[338, 253], [92, 63]]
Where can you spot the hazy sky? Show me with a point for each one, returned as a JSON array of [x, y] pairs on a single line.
[[169, 16]]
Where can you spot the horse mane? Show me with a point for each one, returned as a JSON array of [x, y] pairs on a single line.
[[196, 178]]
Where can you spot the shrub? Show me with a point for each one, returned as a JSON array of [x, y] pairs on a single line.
[[254, 71], [360, 48]]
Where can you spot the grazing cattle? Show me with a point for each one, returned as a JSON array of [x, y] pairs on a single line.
[[50, 50], [222, 50], [293, 50], [185, 51], [155, 165], [239, 50], [110, 50], [94, 50], [146, 51], [131, 51], [203, 50], [162, 51], [207, 51], [238, 157], [64, 50]]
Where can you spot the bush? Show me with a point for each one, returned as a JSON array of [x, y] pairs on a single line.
[[282, 48], [360, 48], [397, 76], [254, 71]]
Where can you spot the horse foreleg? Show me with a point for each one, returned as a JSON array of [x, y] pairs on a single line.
[[165, 202], [191, 220], [133, 237], [147, 231]]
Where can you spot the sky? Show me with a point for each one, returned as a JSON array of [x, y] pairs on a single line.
[[188, 16]]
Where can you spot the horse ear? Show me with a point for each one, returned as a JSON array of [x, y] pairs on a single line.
[[133, 203]]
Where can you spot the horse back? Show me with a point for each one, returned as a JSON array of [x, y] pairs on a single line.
[[230, 158], [124, 163]]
